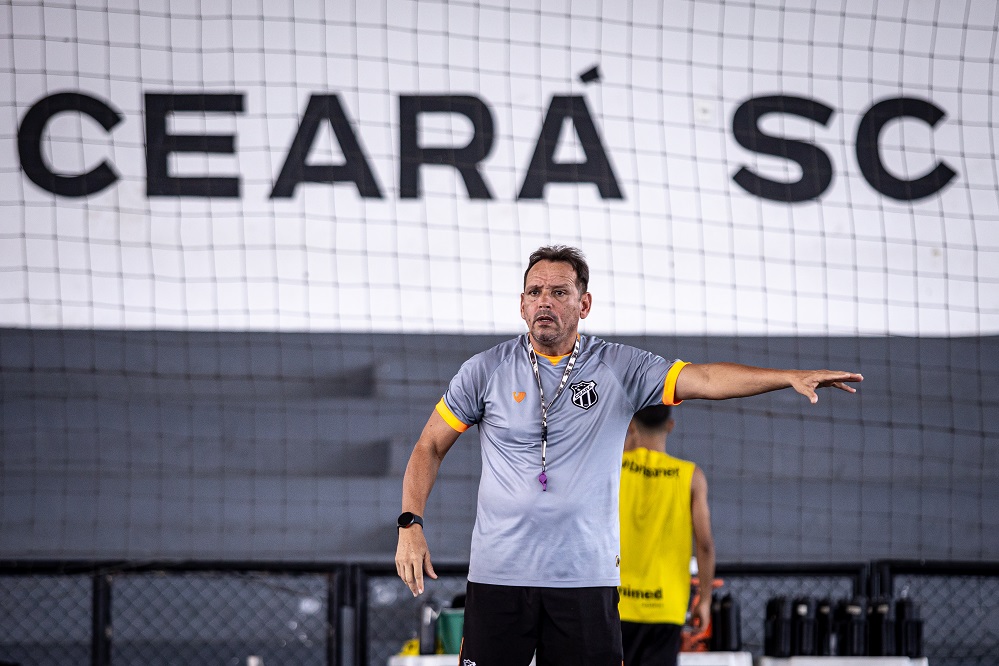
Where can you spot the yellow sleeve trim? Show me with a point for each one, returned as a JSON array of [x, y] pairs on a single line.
[[450, 418], [669, 386]]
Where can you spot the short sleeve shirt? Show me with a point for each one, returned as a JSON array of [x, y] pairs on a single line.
[[566, 536]]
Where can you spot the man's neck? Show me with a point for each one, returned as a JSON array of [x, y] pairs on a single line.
[[652, 443]]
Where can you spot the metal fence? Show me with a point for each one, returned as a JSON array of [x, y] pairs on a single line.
[[753, 586], [361, 614], [168, 614], [45, 619], [392, 613], [959, 604]]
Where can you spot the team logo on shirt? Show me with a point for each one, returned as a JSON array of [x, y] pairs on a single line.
[[519, 395], [584, 394]]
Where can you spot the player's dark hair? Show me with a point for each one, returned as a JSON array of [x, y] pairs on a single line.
[[570, 255], [653, 417]]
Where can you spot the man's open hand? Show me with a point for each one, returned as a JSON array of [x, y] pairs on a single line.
[[807, 381], [412, 558]]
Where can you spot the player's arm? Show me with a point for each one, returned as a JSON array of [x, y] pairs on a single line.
[[704, 545], [412, 556], [718, 381]]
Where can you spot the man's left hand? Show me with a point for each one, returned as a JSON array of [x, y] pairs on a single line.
[[807, 381]]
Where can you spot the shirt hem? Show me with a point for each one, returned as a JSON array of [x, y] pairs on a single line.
[[520, 582]]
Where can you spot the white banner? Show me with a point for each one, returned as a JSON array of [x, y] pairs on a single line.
[[763, 169]]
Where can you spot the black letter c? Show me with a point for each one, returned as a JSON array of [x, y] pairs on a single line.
[[29, 145], [869, 155]]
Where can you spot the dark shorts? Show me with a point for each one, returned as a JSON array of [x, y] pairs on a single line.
[[650, 644], [506, 626]]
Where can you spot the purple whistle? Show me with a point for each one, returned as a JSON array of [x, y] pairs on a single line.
[[543, 478]]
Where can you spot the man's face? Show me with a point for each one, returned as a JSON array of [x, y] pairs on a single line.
[[552, 306]]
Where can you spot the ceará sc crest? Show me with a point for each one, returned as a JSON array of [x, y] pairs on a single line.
[[584, 394]]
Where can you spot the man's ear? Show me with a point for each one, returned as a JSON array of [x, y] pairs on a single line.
[[585, 303]]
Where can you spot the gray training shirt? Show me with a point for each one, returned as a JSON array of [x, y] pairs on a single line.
[[568, 535]]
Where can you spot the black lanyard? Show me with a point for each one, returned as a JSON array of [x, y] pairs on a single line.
[[543, 478]]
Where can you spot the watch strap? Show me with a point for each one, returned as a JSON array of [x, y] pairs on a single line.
[[408, 519]]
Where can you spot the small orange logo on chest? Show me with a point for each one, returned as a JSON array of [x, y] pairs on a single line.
[[519, 395]]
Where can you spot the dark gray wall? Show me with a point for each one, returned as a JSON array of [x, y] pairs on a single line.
[[268, 446]]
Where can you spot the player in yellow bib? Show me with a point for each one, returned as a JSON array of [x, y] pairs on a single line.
[[664, 513]]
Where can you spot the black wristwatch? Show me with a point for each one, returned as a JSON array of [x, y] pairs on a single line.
[[408, 518]]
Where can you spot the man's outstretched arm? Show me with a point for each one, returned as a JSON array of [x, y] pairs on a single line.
[[718, 381], [412, 555]]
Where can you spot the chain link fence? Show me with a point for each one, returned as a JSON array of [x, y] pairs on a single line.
[[394, 614], [960, 616], [753, 589], [167, 619], [226, 615], [45, 619]]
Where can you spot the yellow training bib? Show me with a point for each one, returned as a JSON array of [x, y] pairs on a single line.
[[656, 537]]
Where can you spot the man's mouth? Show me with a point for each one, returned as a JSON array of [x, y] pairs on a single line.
[[544, 319]]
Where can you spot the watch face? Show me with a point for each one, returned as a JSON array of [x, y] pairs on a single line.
[[406, 519]]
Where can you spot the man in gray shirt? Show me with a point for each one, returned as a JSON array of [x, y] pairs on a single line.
[[552, 408]]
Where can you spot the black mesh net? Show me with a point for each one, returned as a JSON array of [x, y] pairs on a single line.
[[219, 618], [45, 619], [960, 616], [394, 615]]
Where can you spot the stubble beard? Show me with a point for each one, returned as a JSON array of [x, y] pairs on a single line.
[[549, 336]]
